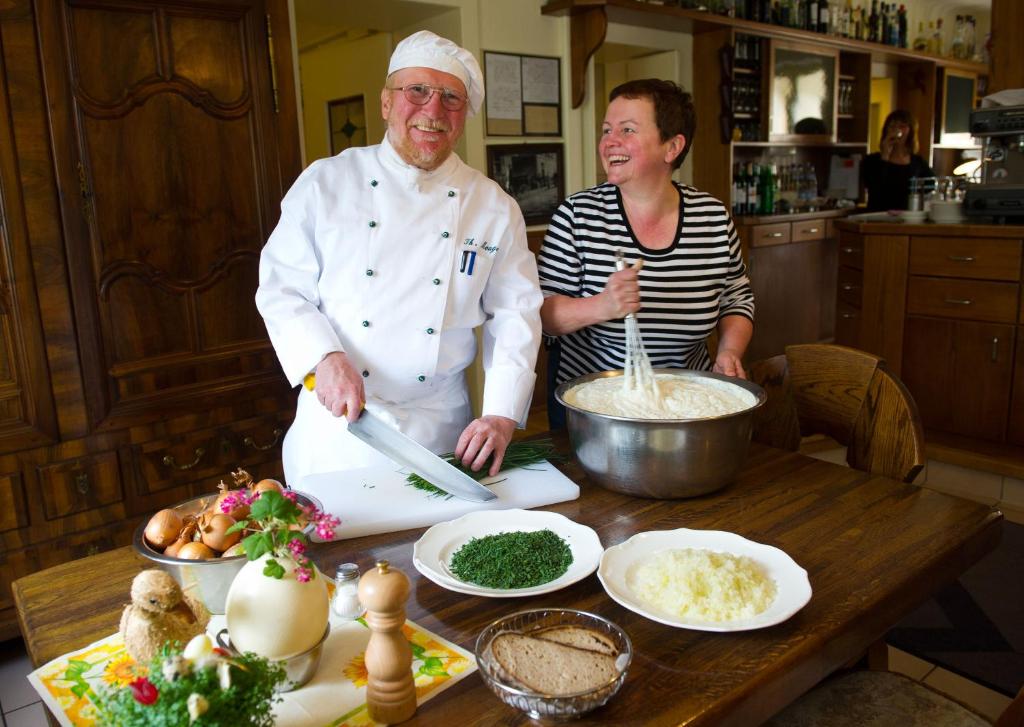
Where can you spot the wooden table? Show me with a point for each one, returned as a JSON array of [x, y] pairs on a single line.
[[874, 549]]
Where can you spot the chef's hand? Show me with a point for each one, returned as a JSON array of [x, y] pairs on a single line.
[[895, 141], [729, 362], [483, 437], [621, 294], [339, 387]]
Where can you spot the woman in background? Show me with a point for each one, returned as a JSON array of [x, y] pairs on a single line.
[[692, 281], [886, 174]]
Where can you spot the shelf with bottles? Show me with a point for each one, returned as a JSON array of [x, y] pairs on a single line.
[[789, 180], [742, 89]]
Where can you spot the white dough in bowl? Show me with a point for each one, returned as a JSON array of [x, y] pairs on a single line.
[[679, 397]]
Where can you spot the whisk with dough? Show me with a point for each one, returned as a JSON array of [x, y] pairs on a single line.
[[638, 378]]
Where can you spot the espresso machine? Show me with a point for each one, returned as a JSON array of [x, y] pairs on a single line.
[[1000, 193]]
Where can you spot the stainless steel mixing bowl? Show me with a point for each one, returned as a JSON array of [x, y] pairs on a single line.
[[660, 458], [208, 580]]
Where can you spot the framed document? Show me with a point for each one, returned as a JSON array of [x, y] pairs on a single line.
[[523, 95], [533, 174]]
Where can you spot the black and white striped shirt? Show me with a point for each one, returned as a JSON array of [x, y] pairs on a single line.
[[684, 289]]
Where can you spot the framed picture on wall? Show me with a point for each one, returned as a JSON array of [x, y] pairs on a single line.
[[523, 95], [534, 174]]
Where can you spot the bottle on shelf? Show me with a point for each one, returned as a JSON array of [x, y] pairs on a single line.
[[883, 25], [931, 37], [957, 47], [970, 42], [824, 17], [937, 38], [902, 25], [921, 41], [858, 25], [752, 201], [737, 195], [873, 22]]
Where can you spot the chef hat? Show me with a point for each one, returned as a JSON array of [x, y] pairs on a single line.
[[424, 49]]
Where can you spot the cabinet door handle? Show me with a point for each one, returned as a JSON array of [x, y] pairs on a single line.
[[958, 301], [995, 349], [250, 442], [848, 287], [773, 234], [848, 250], [170, 461], [960, 258], [849, 316], [82, 483], [812, 230]]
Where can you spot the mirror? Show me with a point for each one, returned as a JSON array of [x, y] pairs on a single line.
[[803, 93]]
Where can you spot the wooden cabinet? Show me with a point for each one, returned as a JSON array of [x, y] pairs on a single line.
[[944, 303], [144, 150], [792, 271]]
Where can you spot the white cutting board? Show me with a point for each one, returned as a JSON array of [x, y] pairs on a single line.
[[377, 499]]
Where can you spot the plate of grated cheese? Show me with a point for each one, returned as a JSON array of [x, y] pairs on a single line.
[[705, 580]]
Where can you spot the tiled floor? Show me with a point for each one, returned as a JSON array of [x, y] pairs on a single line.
[[20, 706]]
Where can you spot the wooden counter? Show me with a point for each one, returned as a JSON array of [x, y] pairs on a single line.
[[943, 305]]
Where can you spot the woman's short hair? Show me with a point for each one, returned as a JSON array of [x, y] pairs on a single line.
[[901, 116], [673, 109]]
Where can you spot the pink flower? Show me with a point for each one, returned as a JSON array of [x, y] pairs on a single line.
[[144, 691], [297, 547], [302, 575], [290, 495], [325, 525], [229, 503]]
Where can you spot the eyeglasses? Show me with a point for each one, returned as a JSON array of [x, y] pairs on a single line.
[[421, 93]]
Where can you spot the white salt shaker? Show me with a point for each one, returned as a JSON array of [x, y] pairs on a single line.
[[346, 603]]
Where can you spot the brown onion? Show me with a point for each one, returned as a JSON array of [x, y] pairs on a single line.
[[238, 513], [236, 549], [267, 485], [214, 531], [172, 549], [195, 551], [163, 528]]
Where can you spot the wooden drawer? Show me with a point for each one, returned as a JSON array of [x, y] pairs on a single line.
[[985, 259], [851, 251], [968, 299], [206, 456], [807, 230], [850, 285], [764, 235], [80, 484], [12, 502], [847, 325]]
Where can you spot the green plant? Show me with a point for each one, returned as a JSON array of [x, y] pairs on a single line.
[[206, 689]]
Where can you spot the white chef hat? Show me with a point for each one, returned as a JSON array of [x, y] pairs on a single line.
[[424, 49]]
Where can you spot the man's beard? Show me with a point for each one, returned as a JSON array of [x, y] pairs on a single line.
[[427, 159]]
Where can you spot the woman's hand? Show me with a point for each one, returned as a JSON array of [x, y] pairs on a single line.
[[339, 387], [621, 294], [729, 363], [894, 143]]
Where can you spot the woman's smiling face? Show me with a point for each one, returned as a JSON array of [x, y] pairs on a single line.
[[631, 147]]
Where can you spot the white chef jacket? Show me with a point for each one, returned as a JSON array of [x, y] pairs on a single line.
[[396, 266]]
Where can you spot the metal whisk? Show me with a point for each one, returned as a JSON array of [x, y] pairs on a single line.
[[639, 375]]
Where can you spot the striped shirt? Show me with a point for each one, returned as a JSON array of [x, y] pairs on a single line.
[[684, 290]]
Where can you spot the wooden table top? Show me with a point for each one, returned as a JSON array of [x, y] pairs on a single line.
[[874, 550]]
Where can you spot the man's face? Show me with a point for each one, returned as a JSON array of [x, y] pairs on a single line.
[[424, 135]]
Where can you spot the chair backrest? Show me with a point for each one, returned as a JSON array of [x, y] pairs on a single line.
[[848, 395]]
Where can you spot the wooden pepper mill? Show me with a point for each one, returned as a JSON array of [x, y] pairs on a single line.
[[390, 690]]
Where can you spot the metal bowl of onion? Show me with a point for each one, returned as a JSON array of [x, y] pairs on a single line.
[[207, 579], [662, 458]]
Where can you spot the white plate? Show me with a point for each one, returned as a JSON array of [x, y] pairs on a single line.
[[434, 550], [793, 590], [914, 215]]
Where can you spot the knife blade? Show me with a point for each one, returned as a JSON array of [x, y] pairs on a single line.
[[390, 442]]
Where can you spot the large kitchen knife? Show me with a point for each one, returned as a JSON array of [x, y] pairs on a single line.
[[408, 453]]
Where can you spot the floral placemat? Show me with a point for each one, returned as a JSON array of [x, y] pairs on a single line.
[[335, 697]]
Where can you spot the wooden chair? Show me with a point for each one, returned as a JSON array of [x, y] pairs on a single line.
[[846, 394]]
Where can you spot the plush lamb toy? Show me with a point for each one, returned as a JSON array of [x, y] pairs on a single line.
[[159, 612]]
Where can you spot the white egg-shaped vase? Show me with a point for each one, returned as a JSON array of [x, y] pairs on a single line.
[[276, 617]]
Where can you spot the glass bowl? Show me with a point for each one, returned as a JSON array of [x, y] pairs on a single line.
[[549, 707]]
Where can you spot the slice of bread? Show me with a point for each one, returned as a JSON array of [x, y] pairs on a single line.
[[548, 667], [578, 636]]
